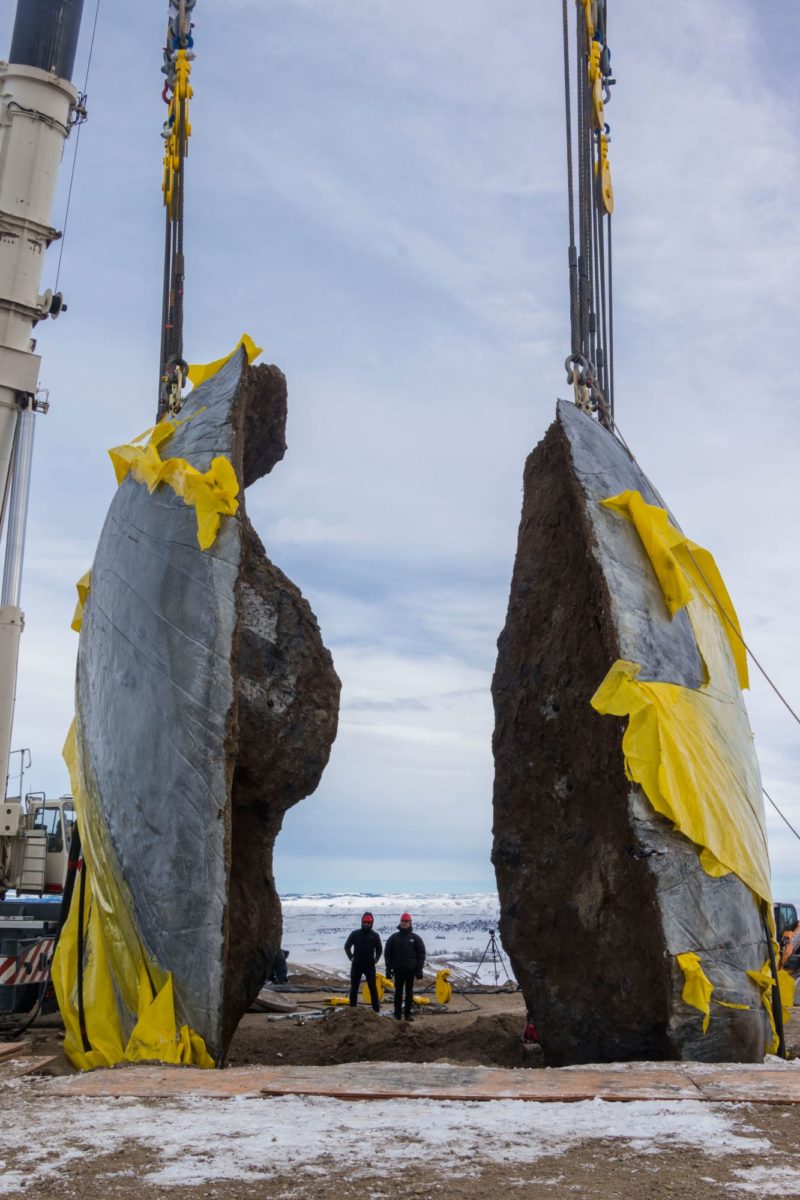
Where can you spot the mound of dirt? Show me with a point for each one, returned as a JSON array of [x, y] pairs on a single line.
[[359, 1035]]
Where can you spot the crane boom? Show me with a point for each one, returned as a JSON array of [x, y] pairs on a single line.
[[38, 106]]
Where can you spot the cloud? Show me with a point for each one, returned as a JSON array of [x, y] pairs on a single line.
[[377, 192]]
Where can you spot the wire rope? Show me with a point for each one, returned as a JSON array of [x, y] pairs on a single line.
[[782, 815], [75, 152], [589, 365], [572, 254], [719, 603]]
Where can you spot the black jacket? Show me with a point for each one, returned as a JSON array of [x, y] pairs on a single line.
[[363, 947], [405, 951]]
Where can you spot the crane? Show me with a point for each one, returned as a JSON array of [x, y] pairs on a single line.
[[178, 55], [39, 108]]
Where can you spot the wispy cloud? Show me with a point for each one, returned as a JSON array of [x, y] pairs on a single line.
[[377, 192]]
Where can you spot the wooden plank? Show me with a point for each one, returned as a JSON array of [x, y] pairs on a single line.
[[759, 1084], [26, 1065], [441, 1082], [775, 1086], [12, 1049]]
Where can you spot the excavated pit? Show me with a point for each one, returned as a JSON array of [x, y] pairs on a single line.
[[598, 893]]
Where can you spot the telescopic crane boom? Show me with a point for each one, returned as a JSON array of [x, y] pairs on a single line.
[[38, 107]]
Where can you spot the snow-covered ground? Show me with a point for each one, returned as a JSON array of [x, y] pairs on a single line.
[[455, 928], [283, 1140]]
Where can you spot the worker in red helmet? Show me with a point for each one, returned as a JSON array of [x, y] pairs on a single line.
[[364, 947], [405, 958]]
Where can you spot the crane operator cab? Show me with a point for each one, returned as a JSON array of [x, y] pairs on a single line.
[[35, 837]]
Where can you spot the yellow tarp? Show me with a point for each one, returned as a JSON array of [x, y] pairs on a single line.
[[786, 985], [691, 751], [128, 1001], [444, 988], [698, 987], [211, 493], [199, 372], [83, 587], [684, 570]]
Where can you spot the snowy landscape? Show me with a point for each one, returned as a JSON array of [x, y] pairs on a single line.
[[456, 930]]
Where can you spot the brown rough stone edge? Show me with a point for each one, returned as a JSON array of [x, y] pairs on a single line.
[[261, 779], [579, 916]]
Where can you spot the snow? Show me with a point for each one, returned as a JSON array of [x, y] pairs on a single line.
[[455, 929], [198, 1140], [284, 1141], [769, 1181]]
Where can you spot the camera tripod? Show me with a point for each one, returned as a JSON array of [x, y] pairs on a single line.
[[495, 955]]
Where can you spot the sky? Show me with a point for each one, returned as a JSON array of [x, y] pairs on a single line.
[[376, 192]]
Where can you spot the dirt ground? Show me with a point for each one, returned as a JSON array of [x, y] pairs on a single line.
[[476, 1029], [601, 1170], [480, 1029]]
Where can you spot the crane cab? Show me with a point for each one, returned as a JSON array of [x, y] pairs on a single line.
[[36, 835]]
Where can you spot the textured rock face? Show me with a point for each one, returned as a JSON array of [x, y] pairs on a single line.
[[207, 705], [598, 892]]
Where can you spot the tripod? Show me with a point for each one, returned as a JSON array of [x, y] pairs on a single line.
[[496, 958]]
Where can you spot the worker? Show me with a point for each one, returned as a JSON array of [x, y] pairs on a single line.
[[280, 972], [364, 948], [405, 958]]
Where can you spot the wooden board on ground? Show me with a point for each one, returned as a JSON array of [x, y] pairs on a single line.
[[756, 1084], [12, 1049], [267, 1001], [27, 1064]]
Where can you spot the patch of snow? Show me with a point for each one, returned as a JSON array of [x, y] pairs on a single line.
[[200, 1140], [769, 1181]]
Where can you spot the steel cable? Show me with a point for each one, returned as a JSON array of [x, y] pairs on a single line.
[[591, 266], [610, 396], [792, 713], [77, 144], [572, 254]]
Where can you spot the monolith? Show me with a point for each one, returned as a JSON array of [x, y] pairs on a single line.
[[629, 842], [206, 705]]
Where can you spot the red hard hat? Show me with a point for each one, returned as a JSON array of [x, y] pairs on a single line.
[[367, 918], [405, 917]]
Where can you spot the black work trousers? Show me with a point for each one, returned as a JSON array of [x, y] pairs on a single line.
[[368, 971], [403, 992]]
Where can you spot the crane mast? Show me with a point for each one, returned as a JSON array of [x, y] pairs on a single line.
[[38, 107]]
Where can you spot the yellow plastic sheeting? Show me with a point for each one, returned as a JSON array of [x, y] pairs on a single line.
[[787, 984], [697, 987], [156, 1035], [691, 750], [711, 866], [211, 493], [683, 569], [444, 988], [764, 980], [128, 1000], [199, 372], [685, 749], [381, 984], [83, 587]]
